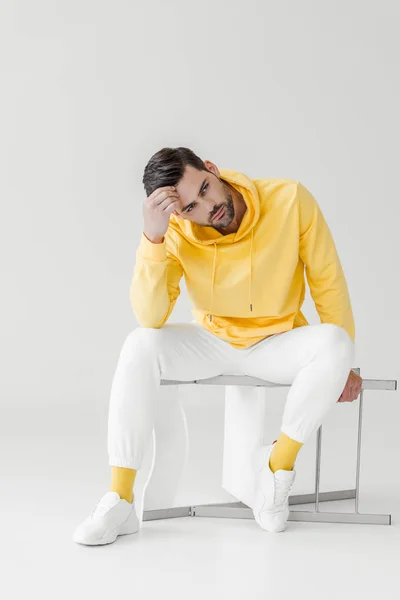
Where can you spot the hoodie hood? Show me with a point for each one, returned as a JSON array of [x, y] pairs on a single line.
[[205, 236]]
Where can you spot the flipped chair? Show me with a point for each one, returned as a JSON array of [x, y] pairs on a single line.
[[245, 403]]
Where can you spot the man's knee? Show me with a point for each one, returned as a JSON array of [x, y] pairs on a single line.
[[142, 340], [336, 340]]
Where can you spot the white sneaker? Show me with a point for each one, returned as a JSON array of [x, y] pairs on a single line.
[[271, 497], [110, 518]]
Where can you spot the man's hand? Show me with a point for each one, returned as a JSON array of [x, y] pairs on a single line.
[[157, 209], [352, 388]]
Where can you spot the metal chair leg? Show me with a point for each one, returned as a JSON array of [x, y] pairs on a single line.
[[360, 412], [318, 468]]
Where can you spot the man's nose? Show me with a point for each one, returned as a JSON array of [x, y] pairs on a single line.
[[212, 207]]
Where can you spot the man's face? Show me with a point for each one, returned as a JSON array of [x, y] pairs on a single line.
[[202, 194]]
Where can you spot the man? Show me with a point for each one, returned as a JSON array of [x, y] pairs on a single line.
[[242, 245]]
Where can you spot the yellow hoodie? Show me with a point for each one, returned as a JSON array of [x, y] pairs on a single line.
[[247, 285]]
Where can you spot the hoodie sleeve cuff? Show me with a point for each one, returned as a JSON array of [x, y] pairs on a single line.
[[147, 249]]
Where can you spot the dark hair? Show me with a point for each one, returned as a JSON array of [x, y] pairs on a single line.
[[167, 167]]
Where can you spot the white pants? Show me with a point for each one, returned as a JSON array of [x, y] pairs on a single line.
[[314, 359]]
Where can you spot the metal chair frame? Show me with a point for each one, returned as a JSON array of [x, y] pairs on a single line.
[[239, 510]]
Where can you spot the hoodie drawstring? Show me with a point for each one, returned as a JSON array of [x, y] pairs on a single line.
[[250, 274]]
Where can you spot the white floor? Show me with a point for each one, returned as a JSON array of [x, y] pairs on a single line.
[[49, 486]]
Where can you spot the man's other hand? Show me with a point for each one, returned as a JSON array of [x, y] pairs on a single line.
[[352, 388]]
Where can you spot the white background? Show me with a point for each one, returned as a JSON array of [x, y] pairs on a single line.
[[90, 90]]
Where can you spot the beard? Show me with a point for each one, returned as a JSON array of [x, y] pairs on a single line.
[[229, 209]]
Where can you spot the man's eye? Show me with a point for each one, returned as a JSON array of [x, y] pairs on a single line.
[[189, 209]]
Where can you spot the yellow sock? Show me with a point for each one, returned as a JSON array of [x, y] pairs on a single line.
[[122, 480], [284, 453]]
